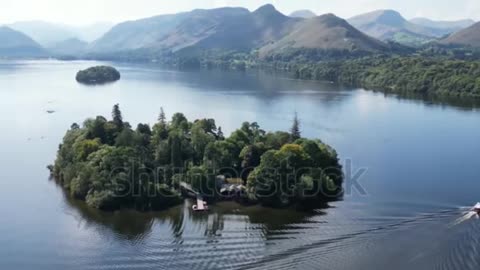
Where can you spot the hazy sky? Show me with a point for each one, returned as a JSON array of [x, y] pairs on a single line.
[[89, 11]]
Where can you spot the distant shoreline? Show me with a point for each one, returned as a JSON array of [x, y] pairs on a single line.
[[438, 98]]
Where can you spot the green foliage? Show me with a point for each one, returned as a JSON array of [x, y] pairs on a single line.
[[83, 148], [403, 75], [297, 173], [110, 165], [428, 69], [221, 154], [98, 75]]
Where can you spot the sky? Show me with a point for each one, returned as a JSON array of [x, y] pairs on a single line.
[[83, 12]]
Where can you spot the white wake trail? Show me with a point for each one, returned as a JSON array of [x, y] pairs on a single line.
[[465, 217], [472, 213]]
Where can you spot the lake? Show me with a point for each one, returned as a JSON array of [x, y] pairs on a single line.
[[412, 169]]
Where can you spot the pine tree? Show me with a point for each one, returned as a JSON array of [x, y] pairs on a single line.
[[162, 119], [117, 116], [295, 130]]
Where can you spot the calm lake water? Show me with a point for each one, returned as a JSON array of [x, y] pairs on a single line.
[[420, 157]]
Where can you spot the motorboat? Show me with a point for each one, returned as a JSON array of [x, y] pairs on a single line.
[[476, 208], [200, 206]]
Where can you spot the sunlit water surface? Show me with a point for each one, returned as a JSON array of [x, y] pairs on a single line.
[[421, 159]]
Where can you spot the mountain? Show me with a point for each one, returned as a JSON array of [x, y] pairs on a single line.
[[326, 32], [222, 28], [48, 34], [16, 44], [390, 25], [132, 35], [44, 33], [448, 26], [91, 32], [469, 36], [69, 47], [249, 31], [304, 13]]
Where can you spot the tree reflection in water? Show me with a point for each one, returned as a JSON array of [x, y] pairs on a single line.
[[136, 226]]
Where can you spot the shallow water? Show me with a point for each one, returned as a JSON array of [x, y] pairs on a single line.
[[420, 159]]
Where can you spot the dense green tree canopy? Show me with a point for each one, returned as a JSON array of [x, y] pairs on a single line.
[[396, 74], [110, 165], [303, 171], [98, 75]]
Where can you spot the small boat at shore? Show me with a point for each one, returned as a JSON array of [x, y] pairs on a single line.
[[200, 206]]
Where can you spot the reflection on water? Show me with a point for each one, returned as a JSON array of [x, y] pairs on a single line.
[[134, 225], [254, 237], [463, 103], [420, 156]]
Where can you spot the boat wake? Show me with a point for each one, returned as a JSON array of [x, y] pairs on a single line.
[[473, 212]]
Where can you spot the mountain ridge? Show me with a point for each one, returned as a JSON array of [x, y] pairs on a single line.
[[326, 32], [391, 25], [303, 13], [233, 29], [469, 36], [48, 34], [17, 44], [451, 26], [227, 28]]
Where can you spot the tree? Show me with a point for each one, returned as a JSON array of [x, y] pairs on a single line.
[[295, 130], [162, 119], [96, 128], [220, 155], [275, 140], [143, 135], [250, 157], [220, 135], [117, 116], [180, 122], [175, 145], [160, 129], [208, 125], [126, 137], [200, 139], [83, 148], [274, 180]]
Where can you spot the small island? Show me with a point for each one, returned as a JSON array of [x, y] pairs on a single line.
[[98, 75], [110, 165]]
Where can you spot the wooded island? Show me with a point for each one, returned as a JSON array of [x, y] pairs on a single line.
[[110, 165]]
